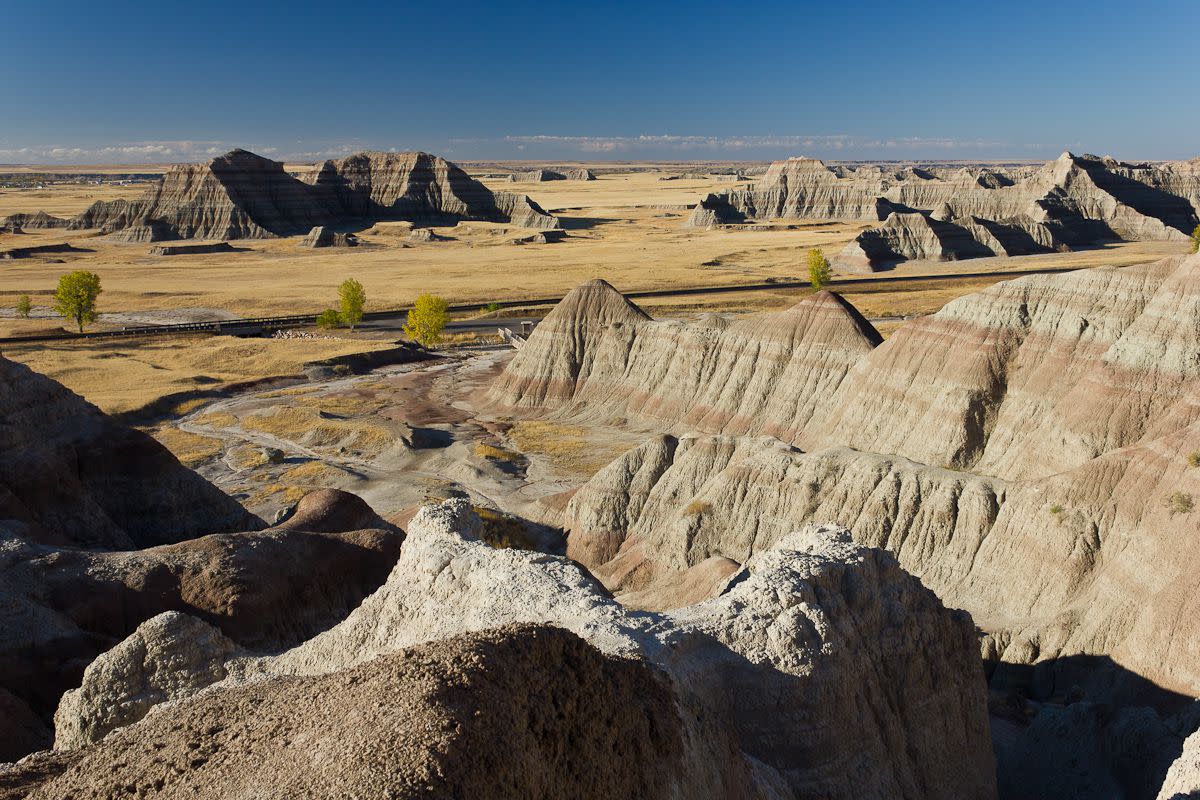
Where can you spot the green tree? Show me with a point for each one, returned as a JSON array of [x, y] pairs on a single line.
[[24, 306], [352, 298], [75, 297], [1195, 240], [329, 318], [819, 271], [427, 319]]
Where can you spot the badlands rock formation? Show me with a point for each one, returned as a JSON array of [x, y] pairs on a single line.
[[1183, 777], [1028, 453], [537, 176], [1034, 446], [323, 236], [581, 174], [243, 196], [824, 670], [34, 222], [72, 476], [598, 351], [1072, 200]]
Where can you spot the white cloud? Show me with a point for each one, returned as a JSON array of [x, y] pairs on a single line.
[[154, 152], [838, 142]]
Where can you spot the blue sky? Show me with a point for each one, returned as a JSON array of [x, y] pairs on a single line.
[[125, 82]]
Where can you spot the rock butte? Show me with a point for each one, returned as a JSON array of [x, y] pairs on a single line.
[[823, 657], [241, 195], [971, 212]]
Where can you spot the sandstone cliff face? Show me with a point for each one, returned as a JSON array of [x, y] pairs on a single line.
[[600, 353], [243, 196], [73, 476], [1100, 553], [1183, 778], [1031, 376], [822, 658], [1072, 398]]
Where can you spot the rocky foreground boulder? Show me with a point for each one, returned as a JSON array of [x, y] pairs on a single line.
[[241, 195], [60, 607], [513, 712], [823, 670]]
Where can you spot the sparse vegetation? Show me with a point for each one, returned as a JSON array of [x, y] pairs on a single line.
[[568, 447], [427, 320], [492, 308], [352, 299], [328, 319], [1056, 509], [819, 271], [1195, 243], [1179, 503], [696, 508], [24, 306], [1193, 459], [483, 450], [75, 297], [191, 449], [503, 531]]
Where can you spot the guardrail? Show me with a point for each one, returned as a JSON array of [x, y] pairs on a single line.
[[262, 324]]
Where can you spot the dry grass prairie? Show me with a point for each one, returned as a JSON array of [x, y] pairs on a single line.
[[128, 374], [619, 226]]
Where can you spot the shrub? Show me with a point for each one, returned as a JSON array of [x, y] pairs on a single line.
[[1179, 503], [24, 306], [819, 272], [1056, 509], [1195, 247], [329, 318], [75, 297], [1193, 459], [492, 308]]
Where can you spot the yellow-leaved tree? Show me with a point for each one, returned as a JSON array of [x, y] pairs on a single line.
[[427, 319]]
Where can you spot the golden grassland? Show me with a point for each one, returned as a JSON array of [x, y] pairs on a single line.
[[122, 375], [571, 449], [190, 448], [615, 233]]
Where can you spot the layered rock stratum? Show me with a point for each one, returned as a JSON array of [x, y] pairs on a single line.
[[823, 670], [1074, 200], [241, 195], [1040, 428]]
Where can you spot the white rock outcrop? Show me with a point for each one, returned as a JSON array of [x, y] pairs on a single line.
[[833, 671]]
